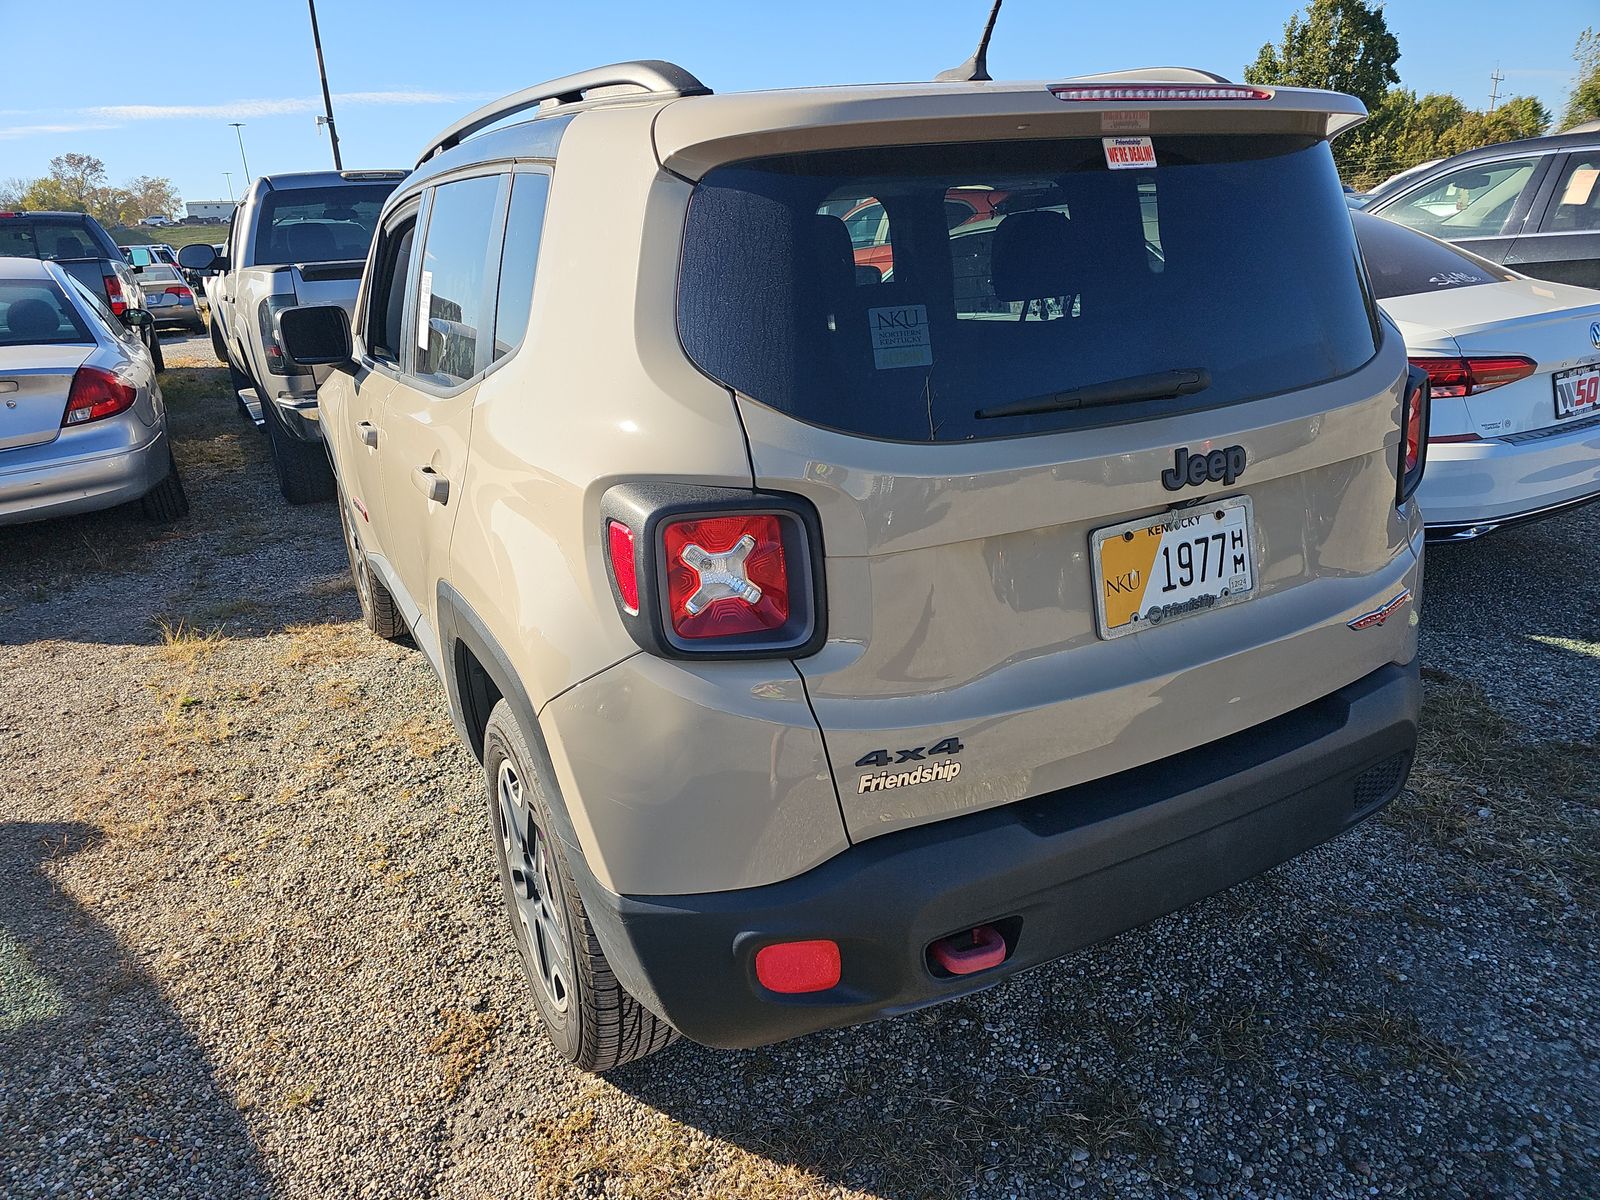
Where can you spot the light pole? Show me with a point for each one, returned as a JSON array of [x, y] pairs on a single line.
[[238, 127], [228, 175], [327, 98]]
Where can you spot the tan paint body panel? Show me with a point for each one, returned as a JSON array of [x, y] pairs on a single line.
[[962, 603]]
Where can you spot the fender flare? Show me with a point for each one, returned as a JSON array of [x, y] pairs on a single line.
[[463, 631]]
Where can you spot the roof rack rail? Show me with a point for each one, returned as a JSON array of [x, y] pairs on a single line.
[[651, 75]]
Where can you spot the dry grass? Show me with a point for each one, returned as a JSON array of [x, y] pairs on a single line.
[[1484, 790], [1399, 1034], [185, 647], [316, 645], [462, 1044]]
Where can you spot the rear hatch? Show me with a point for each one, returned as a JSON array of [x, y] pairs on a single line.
[[1104, 464]]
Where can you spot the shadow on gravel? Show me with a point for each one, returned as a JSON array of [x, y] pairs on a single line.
[[103, 1090]]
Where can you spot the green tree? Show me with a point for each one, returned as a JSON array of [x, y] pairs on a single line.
[[1584, 102], [1344, 45]]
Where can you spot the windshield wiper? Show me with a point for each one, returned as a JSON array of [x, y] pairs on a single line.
[[1159, 385]]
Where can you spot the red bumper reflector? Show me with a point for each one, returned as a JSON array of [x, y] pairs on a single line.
[[968, 953], [793, 967]]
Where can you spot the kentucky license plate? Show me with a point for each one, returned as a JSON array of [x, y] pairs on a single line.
[[1577, 391], [1161, 569]]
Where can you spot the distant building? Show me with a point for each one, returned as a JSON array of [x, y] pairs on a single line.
[[210, 210]]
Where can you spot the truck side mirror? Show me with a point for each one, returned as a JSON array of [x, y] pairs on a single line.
[[317, 335], [201, 257]]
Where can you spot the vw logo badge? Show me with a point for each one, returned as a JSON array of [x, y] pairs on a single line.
[[1594, 333]]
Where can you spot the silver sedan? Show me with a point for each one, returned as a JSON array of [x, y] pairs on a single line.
[[82, 422]]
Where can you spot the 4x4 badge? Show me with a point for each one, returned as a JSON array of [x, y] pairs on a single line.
[[1219, 466]]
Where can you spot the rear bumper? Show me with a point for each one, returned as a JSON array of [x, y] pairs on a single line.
[[1472, 488], [82, 474], [1056, 873]]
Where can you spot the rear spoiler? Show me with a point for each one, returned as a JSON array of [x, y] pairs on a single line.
[[694, 135]]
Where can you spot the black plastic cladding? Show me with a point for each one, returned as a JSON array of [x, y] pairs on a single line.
[[644, 507]]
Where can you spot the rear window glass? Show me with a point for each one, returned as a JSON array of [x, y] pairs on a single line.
[[327, 224], [44, 237], [34, 313], [896, 292], [1402, 262], [158, 271]]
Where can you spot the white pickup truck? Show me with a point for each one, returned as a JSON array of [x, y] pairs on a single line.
[[295, 239]]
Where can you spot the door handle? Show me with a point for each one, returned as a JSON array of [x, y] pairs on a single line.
[[431, 484], [369, 434]]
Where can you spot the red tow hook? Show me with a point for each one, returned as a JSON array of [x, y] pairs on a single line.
[[968, 953]]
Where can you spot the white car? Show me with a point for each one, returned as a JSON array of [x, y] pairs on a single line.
[[1514, 365]]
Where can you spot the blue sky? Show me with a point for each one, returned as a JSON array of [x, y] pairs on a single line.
[[403, 69]]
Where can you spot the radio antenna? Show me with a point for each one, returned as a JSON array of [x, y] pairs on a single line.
[[976, 68]]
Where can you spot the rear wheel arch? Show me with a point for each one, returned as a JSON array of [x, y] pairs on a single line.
[[478, 674]]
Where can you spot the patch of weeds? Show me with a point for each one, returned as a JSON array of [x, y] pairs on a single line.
[[186, 647], [422, 737], [313, 645], [462, 1044], [1398, 1034], [1482, 790], [302, 1095]]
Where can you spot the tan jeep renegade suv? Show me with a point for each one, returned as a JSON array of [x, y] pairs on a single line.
[[880, 539]]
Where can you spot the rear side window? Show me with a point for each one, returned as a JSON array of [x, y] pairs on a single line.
[[42, 237], [524, 225], [326, 224], [1402, 262], [1576, 206], [453, 305], [35, 313], [896, 292], [1473, 201]]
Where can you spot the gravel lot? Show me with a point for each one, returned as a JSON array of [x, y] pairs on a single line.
[[250, 942]]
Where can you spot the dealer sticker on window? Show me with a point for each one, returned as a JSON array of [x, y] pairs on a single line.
[[900, 336], [1129, 153]]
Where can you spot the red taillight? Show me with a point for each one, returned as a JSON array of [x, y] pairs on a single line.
[[795, 967], [726, 576], [119, 302], [1158, 91], [94, 394], [179, 291], [1468, 376], [1413, 432], [619, 542]]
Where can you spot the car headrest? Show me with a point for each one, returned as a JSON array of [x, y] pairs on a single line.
[[1028, 258], [834, 256], [70, 247], [32, 318], [310, 242]]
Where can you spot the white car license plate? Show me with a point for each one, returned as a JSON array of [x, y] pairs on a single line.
[[1163, 568], [1577, 391]]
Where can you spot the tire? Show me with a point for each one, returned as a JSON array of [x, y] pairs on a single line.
[[166, 502], [218, 347], [592, 1021], [154, 346], [378, 609], [304, 474]]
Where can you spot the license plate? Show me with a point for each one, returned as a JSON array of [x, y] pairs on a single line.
[[1577, 391], [1160, 569]]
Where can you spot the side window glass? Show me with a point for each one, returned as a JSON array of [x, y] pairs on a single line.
[[455, 268], [1575, 207], [386, 306], [524, 225], [1471, 202]]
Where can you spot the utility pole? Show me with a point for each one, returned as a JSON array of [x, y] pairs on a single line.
[[327, 98], [1495, 80], [238, 128]]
